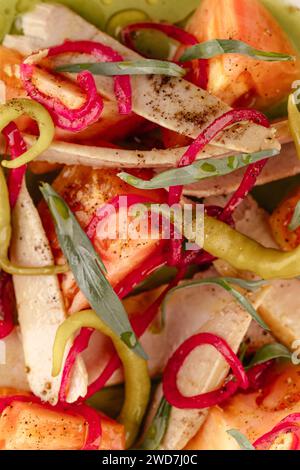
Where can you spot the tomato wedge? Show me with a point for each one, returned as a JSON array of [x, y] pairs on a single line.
[[240, 80], [85, 190]]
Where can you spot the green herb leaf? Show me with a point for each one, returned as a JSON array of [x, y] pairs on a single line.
[[225, 284], [246, 284], [88, 269], [158, 428], [138, 67], [295, 222], [269, 352], [199, 170], [242, 440], [216, 47]]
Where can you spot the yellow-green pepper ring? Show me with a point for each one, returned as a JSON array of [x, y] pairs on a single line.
[[245, 254], [16, 108], [137, 381], [294, 122], [5, 238]]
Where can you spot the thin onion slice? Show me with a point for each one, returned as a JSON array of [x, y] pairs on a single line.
[[264, 442], [140, 274], [211, 132], [76, 120], [205, 400], [73, 120], [105, 54], [6, 305], [80, 344], [256, 375], [248, 182], [93, 420], [17, 147]]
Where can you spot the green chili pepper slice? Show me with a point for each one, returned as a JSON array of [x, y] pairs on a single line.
[[224, 242], [245, 254], [137, 381], [17, 107], [5, 238], [294, 122]]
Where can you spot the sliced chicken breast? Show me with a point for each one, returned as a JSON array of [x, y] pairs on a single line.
[[40, 305]]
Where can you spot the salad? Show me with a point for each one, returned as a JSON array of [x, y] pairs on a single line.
[[149, 225]]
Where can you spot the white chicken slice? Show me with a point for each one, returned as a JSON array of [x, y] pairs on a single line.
[[12, 363], [171, 102], [40, 305], [98, 157]]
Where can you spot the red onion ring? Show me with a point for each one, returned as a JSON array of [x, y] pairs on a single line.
[[80, 344], [231, 117], [76, 120], [264, 442], [17, 147], [73, 120], [103, 53], [6, 305], [205, 400]]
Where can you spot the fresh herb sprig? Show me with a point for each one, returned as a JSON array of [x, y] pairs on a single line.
[[202, 169], [295, 222], [224, 282], [241, 439], [270, 352], [158, 427], [89, 270], [216, 47], [138, 67]]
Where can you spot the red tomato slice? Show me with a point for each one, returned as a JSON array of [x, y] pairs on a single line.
[[86, 189]]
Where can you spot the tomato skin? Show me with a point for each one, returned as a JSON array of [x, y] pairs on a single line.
[[280, 220], [239, 80]]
